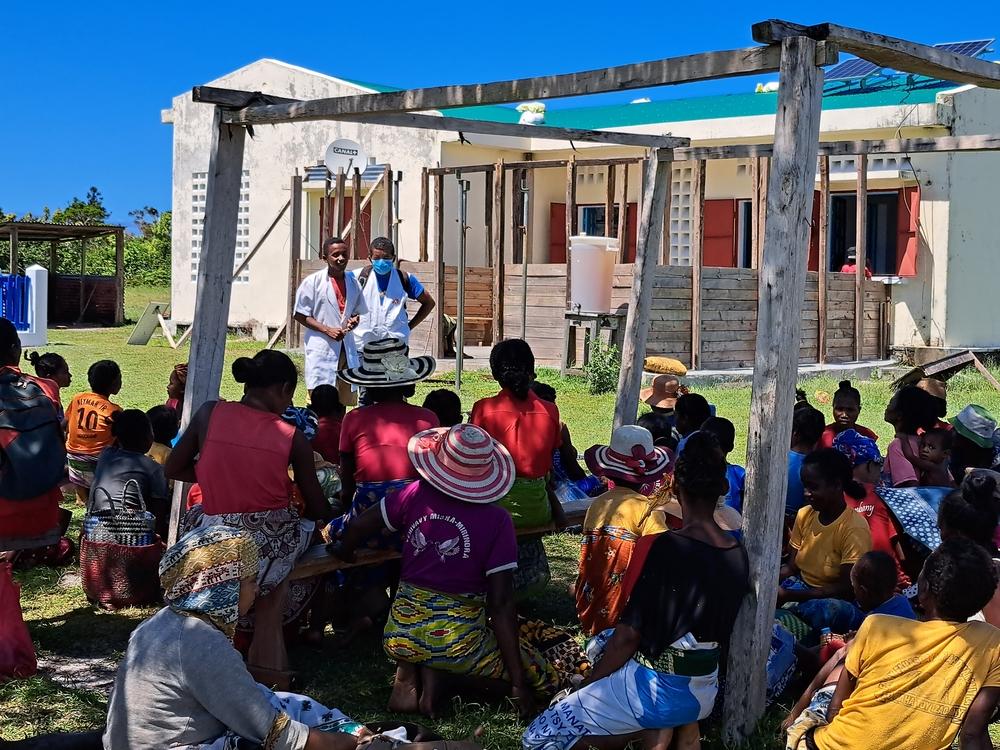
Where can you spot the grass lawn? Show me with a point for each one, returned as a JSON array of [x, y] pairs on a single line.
[[356, 680]]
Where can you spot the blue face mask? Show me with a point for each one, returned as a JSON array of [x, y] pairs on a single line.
[[382, 266]]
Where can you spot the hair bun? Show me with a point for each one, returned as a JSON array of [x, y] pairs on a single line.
[[244, 369], [979, 488]]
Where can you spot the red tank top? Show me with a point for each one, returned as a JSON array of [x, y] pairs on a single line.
[[243, 466]]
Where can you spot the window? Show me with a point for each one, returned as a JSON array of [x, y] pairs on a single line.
[[883, 211], [199, 196], [590, 220], [744, 233]]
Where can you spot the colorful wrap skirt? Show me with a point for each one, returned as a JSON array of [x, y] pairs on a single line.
[[449, 633], [81, 468], [677, 688], [368, 495]]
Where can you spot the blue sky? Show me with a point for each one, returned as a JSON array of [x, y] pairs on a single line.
[[85, 83]]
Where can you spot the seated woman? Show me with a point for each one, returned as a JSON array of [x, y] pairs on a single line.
[[181, 684], [827, 539], [660, 666], [453, 614], [239, 453], [568, 478], [615, 521], [531, 431]]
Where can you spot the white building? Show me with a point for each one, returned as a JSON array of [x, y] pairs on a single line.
[[929, 222]]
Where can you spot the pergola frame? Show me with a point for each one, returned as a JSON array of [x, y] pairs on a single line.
[[797, 52]]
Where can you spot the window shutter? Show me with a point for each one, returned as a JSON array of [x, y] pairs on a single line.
[[907, 224], [719, 244], [557, 233]]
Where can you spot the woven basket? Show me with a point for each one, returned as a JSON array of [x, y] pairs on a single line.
[[115, 576]]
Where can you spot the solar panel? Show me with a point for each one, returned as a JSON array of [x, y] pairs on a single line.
[[850, 69], [972, 48]]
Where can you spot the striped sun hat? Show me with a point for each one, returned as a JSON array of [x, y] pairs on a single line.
[[386, 362], [464, 462], [631, 457]]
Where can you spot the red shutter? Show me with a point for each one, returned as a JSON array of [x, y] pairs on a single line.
[[719, 248], [814, 234], [630, 232], [907, 223], [557, 233], [365, 238]]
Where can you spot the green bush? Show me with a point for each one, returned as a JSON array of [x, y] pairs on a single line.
[[602, 367]]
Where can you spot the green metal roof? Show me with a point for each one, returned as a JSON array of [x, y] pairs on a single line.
[[896, 90]]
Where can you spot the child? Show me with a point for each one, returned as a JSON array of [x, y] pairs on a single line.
[[569, 480], [165, 422], [661, 427], [692, 410], [326, 405], [910, 411], [88, 429], [53, 368], [846, 410], [807, 427], [935, 450], [912, 685], [725, 432], [447, 405], [125, 475], [827, 540], [864, 456]]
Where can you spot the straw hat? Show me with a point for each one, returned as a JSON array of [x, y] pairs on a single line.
[[386, 363], [975, 423], [937, 388], [662, 393], [631, 457], [729, 519], [464, 462]]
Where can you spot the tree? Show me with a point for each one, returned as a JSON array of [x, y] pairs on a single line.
[[90, 210]]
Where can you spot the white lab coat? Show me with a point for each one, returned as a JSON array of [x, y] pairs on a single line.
[[315, 298], [386, 316]]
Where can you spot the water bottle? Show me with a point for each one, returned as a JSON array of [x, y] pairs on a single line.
[[825, 636]]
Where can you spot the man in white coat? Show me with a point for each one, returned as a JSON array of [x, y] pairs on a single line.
[[329, 304], [386, 290]]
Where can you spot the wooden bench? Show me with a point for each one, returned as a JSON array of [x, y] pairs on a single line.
[[317, 560]]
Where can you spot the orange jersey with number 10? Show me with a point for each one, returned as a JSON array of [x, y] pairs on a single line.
[[89, 424]]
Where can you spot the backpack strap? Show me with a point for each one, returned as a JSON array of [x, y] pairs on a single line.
[[404, 279]]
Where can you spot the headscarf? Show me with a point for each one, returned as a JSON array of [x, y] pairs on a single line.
[[857, 447], [303, 418], [201, 574]]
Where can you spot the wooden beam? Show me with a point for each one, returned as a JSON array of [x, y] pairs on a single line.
[[781, 291], [985, 372], [654, 200], [824, 254], [889, 52], [688, 68], [424, 217], [571, 225], [488, 215], [940, 144], [215, 278], [559, 163], [356, 208], [294, 259], [260, 243], [697, 257], [340, 188], [517, 216], [14, 251], [623, 218], [53, 258], [498, 255], [119, 276], [387, 187], [439, 265], [861, 247], [609, 202]]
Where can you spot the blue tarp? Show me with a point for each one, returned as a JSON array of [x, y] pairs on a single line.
[[15, 300]]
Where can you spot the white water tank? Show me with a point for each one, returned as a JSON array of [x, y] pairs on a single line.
[[592, 270]]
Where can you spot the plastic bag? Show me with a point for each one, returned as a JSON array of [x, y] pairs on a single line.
[[17, 653]]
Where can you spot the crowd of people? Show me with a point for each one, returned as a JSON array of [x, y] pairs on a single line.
[[895, 639]]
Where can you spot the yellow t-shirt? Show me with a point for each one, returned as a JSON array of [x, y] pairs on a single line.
[[823, 549], [159, 453], [625, 509], [88, 419], [916, 681]]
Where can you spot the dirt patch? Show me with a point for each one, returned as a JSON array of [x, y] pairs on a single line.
[[95, 673]]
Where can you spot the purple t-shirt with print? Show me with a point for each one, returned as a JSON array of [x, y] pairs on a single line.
[[449, 545]]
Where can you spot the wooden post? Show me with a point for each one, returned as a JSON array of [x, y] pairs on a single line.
[[655, 198], [499, 268], [571, 222], [781, 290], [439, 264], [14, 250], [53, 258], [759, 175], [356, 213], [488, 215], [697, 256], [215, 279], [341, 189], [623, 218], [609, 202], [294, 258], [517, 215], [83, 272], [120, 276], [387, 187], [861, 247], [424, 216], [824, 253]]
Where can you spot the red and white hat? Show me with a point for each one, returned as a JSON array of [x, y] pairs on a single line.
[[464, 462], [631, 457]]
